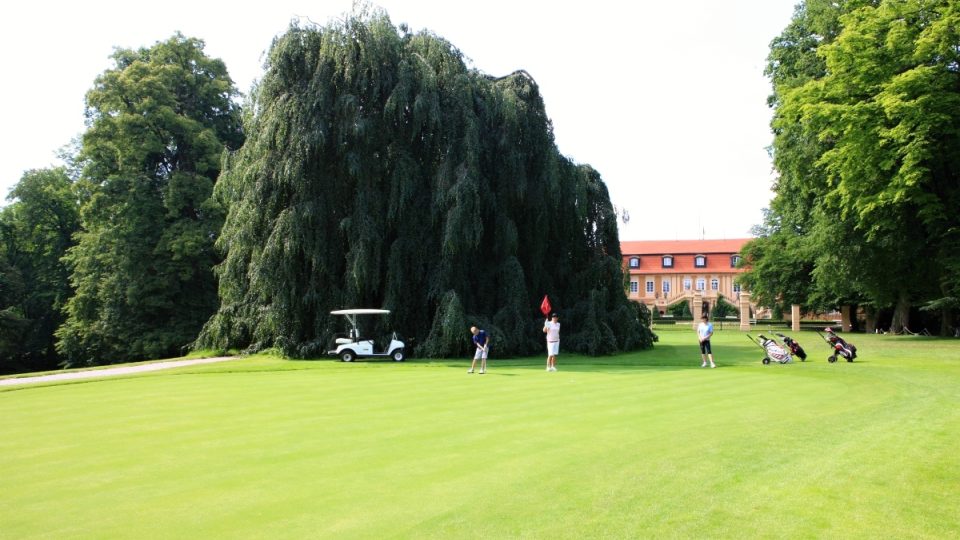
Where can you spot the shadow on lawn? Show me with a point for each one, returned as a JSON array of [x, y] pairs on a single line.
[[661, 357]]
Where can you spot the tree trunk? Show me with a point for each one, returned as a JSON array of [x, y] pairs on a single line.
[[945, 320], [871, 315], [901, 314]]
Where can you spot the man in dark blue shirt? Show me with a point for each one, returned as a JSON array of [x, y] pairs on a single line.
[[482, 343]]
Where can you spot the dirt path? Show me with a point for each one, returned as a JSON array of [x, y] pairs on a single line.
[[89, 374]]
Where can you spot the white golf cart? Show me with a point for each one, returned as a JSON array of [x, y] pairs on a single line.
[[352, 345]]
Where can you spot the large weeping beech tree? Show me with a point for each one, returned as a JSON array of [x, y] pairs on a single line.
[[379, 170], [158, 123]]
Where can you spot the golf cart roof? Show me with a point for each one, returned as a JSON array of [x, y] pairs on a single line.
[[360, 312]]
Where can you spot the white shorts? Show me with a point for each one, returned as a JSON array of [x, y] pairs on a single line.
[[553, 348], [481, 353]]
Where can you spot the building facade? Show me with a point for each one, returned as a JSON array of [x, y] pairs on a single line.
[[664, 272]]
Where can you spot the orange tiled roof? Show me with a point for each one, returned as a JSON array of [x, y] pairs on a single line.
[[681, 247], [717, 252]]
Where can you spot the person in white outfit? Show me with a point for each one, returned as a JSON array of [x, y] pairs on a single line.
[[551, 328]]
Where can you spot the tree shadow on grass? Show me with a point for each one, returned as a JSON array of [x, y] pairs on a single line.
[[728, 353], [660, 358]]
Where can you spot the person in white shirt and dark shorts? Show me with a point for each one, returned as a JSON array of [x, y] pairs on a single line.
[[551, 328], [704, 332]]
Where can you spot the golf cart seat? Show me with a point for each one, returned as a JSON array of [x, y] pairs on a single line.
[[347, 338]]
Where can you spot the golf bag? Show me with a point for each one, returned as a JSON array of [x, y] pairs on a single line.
[[795, 348], [840, 347], [773, 351]]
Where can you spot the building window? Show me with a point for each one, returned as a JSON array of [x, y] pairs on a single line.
[[700, 261], [666, 288], [714, 284], [736, 287], [634, 287], [701, 284], [634, 262], [734, 261], [668, 261], [687, 284], [650, 287]]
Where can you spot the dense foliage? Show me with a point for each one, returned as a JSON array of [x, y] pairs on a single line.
[[723, 308], [380, 171], [158, 122], [681, 310], [867, 144], [36, 229]]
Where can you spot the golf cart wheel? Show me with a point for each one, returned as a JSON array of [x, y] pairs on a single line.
[[398, 355], [766, 360], [832, 359], [347, 356]]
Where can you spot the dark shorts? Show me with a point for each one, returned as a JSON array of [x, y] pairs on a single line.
[[705, 347]]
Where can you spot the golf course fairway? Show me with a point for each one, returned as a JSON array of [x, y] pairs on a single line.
[[637, 445]]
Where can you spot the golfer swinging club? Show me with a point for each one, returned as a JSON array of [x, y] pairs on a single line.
[[482, 341]]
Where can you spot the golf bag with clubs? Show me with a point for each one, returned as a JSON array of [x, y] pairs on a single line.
[[839, 345], [772, 350], [795, 348]]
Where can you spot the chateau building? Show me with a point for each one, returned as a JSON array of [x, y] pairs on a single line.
[[664, 272]]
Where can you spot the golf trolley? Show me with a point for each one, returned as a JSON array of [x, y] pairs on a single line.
[[352, 345], [773, 351], [839, 346], [795, 348]]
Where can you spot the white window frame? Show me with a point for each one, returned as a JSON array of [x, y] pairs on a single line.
[[687, 284], [714, 284], [649, 288], [634, 262], [701, 284], [736, 287], [665, 287], [734, 261], [634, 287], [664, 259], [697, 261]]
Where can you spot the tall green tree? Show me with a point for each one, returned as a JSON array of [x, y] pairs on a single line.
[[13, 323], [866, 144], [380, 171], [37, 229], [889, 105], [780, 261], [158, 122]]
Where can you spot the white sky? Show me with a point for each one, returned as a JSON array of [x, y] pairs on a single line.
[[666, 99]]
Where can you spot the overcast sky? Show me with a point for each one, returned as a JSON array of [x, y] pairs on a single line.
[[667, 100]]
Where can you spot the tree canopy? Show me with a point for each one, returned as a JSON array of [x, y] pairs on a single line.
[[158, 122], [36, 230], [380, 171], [866, 95]]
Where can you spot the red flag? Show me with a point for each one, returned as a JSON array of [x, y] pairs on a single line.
[[545, 306]]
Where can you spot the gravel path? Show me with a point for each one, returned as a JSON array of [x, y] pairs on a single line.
[[89, 374]]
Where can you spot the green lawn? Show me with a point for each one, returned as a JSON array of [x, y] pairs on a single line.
[[639, 445]]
